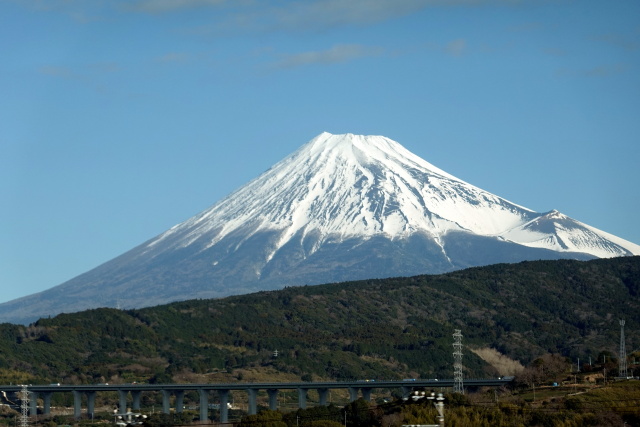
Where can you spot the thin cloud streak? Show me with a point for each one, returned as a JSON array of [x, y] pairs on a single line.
[[456, 47], [618, 41], [163, 6], [56, 71], [310, 15], [90, 77], [554, 51], [607, 70], [336, 54], [336, 13], [173, 57], [241, 16], [322, 14], [105, 67], [80, 11], [601, 71]]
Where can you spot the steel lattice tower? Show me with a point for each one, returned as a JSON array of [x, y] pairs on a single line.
[[458, 386], [622, 357], [24, 406]]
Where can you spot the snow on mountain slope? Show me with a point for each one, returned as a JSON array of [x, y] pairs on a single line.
[[558, 232], [340, 208], [351, 185], [340, 186]]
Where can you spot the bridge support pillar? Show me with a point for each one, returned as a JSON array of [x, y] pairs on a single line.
[[204, 404], [135, 395], [322, 394], [166, 403], [33, 403], [302, 398], [122, 401], [179, 400], [366, 394], [224, 406], [353, 394], [46, 407], [273, 398], [406, 391], [91, 403], [77, 404], [253, 405]]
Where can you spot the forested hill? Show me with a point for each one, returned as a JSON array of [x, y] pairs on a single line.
[[388, 328]]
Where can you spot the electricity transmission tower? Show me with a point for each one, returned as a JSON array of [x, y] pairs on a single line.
[[24, 406], [458, 386], [622, 357]]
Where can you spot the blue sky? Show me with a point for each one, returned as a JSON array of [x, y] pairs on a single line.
[[120, 119]]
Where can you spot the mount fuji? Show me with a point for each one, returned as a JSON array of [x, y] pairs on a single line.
[[340, 208]]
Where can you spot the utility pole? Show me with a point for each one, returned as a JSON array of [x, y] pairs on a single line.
[[533, 384]]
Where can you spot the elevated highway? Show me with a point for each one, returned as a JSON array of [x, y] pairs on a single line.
[[355, 388]]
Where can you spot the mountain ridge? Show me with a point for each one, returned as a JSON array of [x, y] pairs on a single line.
[[341, 207], [346, 330], [431, 204]]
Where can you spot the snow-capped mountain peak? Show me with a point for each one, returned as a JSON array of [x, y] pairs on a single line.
[[341, 207], [339, 186], [556, 231]]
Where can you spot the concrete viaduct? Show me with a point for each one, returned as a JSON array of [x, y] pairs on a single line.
[[223, 390]]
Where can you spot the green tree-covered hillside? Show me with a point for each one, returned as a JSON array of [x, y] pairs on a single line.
[[388, 328]]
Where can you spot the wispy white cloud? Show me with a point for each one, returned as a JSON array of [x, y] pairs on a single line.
[[298, 15], [81, 11], [43, 5], [105, 67], [598, 71], [334, 13], [606, 70], [162, 6], [296, 12], [526, 27], [322, 14], [89, 69], [57, 71], [456, 47], [90, 75], [335, 54], [554, 51], [237, 16], [351, 10], [618, 40], [173, 57]]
